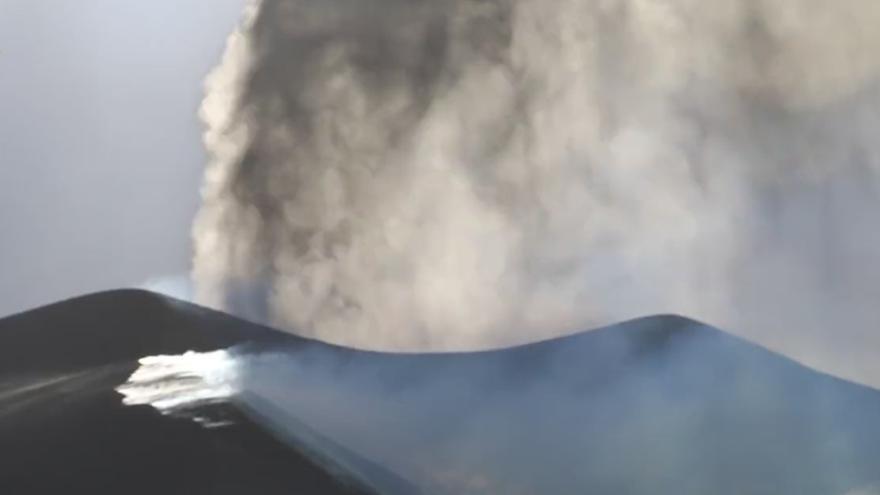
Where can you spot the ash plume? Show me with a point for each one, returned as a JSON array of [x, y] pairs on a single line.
[[457, 174]]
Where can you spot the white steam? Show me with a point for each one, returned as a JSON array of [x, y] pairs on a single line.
[[181, 385], [443, 174]]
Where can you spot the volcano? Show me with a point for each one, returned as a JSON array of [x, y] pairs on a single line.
[[659, 405]]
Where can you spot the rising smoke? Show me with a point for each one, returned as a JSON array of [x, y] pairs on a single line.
[[659, 406], [448, 174]]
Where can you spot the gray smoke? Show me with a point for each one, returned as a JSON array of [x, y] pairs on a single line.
[[452, 174], [599, 413]]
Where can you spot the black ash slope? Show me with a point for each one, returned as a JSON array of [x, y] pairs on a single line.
[[661, 405], [63, 428]]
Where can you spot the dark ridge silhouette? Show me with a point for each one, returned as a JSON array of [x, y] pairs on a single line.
[[659, 405], [114, 326], [63, 428]]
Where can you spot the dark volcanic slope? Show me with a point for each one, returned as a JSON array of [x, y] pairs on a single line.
[[63, 428], [116, 326], [661, 405]]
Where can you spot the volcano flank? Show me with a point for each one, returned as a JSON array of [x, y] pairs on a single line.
[[657, 405]]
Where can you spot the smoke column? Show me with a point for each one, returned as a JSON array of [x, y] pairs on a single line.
[[457, 174]]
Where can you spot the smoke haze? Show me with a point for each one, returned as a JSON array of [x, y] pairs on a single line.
[[458, 174], [657, 406]]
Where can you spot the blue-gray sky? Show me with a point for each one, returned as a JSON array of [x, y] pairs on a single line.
[[100, 143]]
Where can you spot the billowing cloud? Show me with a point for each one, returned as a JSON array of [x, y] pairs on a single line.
[[459, 173]]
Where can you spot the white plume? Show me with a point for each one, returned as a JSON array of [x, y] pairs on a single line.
[[447, 174]]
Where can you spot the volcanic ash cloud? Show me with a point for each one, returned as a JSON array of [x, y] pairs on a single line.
[[451, 174]]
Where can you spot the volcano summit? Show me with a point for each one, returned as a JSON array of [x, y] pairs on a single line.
[[659, 405]]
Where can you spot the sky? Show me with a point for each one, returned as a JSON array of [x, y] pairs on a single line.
[[100, 143]]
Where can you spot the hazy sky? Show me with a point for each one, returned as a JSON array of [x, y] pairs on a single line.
[[100, 144]]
